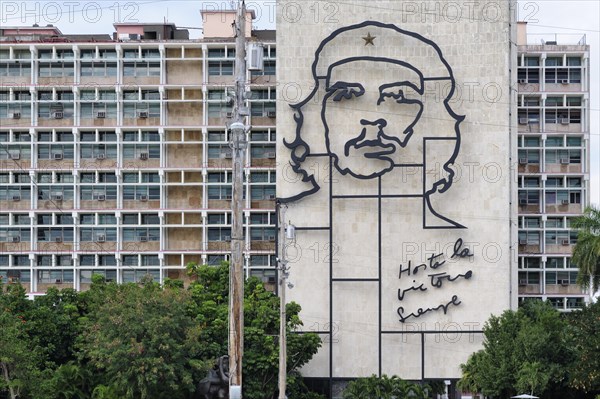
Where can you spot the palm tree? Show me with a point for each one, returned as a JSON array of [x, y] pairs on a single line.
[[586, 254]]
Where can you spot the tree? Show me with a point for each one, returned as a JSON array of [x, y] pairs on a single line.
[[585, 370], [586, 253], [21, 361], [261, 331], [142, 341], [385, 388], [524, 350]]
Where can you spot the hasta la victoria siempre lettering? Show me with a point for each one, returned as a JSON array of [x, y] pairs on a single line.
[[436, 280]]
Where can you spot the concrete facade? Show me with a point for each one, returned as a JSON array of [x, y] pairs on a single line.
[[394, 178], [114, 155]]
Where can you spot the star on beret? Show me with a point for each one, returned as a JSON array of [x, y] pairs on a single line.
[[369, 39]]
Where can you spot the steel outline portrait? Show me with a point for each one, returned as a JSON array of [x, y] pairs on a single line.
[[385, 145]]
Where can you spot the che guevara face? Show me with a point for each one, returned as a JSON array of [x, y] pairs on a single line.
[[369, 112]]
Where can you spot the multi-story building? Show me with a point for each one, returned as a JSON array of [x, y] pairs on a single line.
[[114, 154], [553, 165]]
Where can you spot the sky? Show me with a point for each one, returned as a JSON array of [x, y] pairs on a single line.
[[570, 19]]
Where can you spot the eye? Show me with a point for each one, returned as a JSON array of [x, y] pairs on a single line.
[[397, 95], [341, 91]]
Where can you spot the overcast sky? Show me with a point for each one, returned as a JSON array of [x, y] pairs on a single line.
[[572, 19]]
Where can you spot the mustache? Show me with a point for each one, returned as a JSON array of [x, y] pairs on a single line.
[[387, 148]]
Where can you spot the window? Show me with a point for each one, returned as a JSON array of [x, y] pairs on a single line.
[[555, 263], [53, 69], [554, 182], [141, 69], [258, 193], [214, 260], [86, 276], [530, 263], [141, 193], [220, 192], [262, 108], [529, 197], [563, 278], [151, 218], [64, 219], [55, 151], [218, 110], [219, 234], [262, 135], [575, 303], [98, 234], [526, 278], [55, 276], [269, 69], [529, 238], [136, 276], [220, 68], [107, 219], [135, 151], [99, 69], [141, 234], [130, 218], [262, 151], [262, 233], [219, 177], [216, 136], [98, 193], [553, 222], [216, 151], [87, 219], [259, 218], [217, 218], [55, 234]]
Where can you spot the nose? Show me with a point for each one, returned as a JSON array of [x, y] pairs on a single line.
[[379, 122]]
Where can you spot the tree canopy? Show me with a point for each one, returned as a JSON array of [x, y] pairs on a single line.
[[142, 340], [534, 350]]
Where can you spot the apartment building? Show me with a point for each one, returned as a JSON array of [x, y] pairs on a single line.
[[553, 164], [114, 154]]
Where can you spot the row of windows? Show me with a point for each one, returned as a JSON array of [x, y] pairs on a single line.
[[526, 181], [128, 177], [550, 115], [550, 237], [111, 136], [126, 219], [66, 234], [532, 262], [551, 222], [551, 76], [110, 69], [550, 101], [564, 278], [532, 61], [111, 53], [550, 141], [554, 197], [110, 260], [551, 156]]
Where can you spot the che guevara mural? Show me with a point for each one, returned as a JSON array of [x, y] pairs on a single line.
[[397, 261]]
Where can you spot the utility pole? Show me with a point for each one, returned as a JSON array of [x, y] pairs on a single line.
[[238, 145], [283, 274]]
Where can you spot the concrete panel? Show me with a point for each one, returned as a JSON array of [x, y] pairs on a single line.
[[186, 239], [184, 197], [184, 155]]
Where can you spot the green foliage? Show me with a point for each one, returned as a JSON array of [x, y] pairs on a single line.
[[261, 331], [385, 388], [585, 329], [527, 351], [142, 340], [586, 253]]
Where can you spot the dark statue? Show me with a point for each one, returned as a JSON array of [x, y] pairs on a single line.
[[216, 383]]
